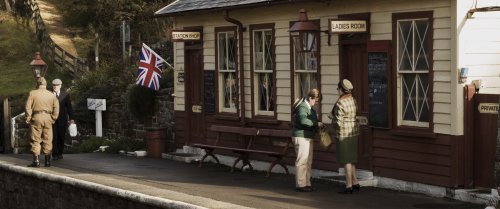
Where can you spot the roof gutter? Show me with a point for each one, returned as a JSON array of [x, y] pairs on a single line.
[[240, 31]]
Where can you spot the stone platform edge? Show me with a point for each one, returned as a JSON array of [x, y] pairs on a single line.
[[102, 189]]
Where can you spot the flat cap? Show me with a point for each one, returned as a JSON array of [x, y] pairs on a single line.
[[57, 81], [41, 81]]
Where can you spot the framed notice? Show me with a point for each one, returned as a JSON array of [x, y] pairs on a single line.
[[379, 84], [209, 91]]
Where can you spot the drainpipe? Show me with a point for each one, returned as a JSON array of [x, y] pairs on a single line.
[[240, 56]]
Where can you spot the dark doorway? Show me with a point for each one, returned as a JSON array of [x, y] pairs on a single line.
[[354, 66], [194, 98]]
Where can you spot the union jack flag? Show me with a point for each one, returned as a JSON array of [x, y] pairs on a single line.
[[150, 65]]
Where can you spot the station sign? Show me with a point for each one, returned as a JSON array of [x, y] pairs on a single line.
[[340, 26], [184, 35]]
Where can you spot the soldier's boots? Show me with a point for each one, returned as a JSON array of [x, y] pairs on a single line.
[[47, 160], [35, 163]]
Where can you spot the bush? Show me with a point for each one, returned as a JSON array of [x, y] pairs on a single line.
[[141, 102], [124, 143], [91, 144]]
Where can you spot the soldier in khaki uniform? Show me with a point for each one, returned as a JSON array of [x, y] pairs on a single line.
[[42, 109]]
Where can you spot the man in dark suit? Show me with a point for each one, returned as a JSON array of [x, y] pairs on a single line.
[[61, 124]]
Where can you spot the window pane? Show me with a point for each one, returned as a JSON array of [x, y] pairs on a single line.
[[422, 50], [409, 97], [229, 90], [405, 45], [231, 56], [266, 93], [424, 107], [268, 40], [258, 50], [222, 51], [306, 61], [306, 82]]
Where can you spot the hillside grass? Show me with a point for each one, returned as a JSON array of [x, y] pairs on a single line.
[[17, 50]]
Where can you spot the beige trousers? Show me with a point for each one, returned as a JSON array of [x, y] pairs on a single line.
[[304, 150], [41, 134]]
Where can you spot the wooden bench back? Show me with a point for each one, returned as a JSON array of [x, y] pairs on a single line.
[[274, 133], [233, 129]]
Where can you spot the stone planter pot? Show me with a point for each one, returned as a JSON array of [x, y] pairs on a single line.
[[155, 141]]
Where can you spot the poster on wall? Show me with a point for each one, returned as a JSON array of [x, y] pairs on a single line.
[[377, 89], [209, 91]]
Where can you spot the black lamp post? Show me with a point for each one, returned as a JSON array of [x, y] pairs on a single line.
[[38, 66], [304, 33]]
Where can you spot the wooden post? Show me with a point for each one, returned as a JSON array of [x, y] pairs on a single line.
[[497, 154], [6, 126], [7, 6]]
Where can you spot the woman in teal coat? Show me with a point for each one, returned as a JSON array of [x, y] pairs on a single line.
[[305, 127]]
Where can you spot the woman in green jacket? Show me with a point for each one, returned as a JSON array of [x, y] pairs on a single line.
[[304, 129]]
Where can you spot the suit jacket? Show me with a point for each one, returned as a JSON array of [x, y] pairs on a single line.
[[344, 117], [65, 108]]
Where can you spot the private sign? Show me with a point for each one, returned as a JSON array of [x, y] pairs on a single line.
[[347, 26], [490, 108], [178, 36]]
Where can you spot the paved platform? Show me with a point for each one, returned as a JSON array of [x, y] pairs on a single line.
[[215, 187]]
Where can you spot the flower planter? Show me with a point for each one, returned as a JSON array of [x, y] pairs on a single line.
[[155, 141]]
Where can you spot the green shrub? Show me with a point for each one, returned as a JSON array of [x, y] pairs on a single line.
[[91, 144], [141, 101], [124, 143]]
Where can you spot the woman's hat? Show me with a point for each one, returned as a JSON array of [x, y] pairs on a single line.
[[346, 85]]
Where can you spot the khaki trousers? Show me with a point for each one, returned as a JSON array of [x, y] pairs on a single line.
[[41, 133], [304, 150]]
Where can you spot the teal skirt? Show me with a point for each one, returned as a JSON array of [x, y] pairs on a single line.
[[347, 149]]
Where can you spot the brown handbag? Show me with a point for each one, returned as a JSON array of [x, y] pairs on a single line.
[[325, 138]]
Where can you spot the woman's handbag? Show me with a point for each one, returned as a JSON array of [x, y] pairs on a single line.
[[325, 138]]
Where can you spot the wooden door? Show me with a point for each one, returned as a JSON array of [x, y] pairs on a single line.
[[485, 136], [194, 97], [354, 66]]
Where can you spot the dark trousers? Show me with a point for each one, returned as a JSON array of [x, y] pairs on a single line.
[[59, 133]]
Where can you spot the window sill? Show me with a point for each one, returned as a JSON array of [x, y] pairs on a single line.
[[414, 133]]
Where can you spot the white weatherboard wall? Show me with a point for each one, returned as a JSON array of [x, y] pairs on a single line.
[[480, 46], [445, 83]]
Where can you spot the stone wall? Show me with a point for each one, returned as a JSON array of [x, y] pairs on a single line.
[[117, 120]]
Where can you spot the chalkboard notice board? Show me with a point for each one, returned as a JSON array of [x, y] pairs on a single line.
[[378, 89], [209, 91]]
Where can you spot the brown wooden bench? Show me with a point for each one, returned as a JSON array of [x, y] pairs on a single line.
[[281, 138], [245, 135]]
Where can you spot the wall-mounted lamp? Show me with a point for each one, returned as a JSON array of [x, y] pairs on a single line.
[[463, 75], [304, 33]]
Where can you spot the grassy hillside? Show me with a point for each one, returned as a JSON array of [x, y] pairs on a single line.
[[17, 50]]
